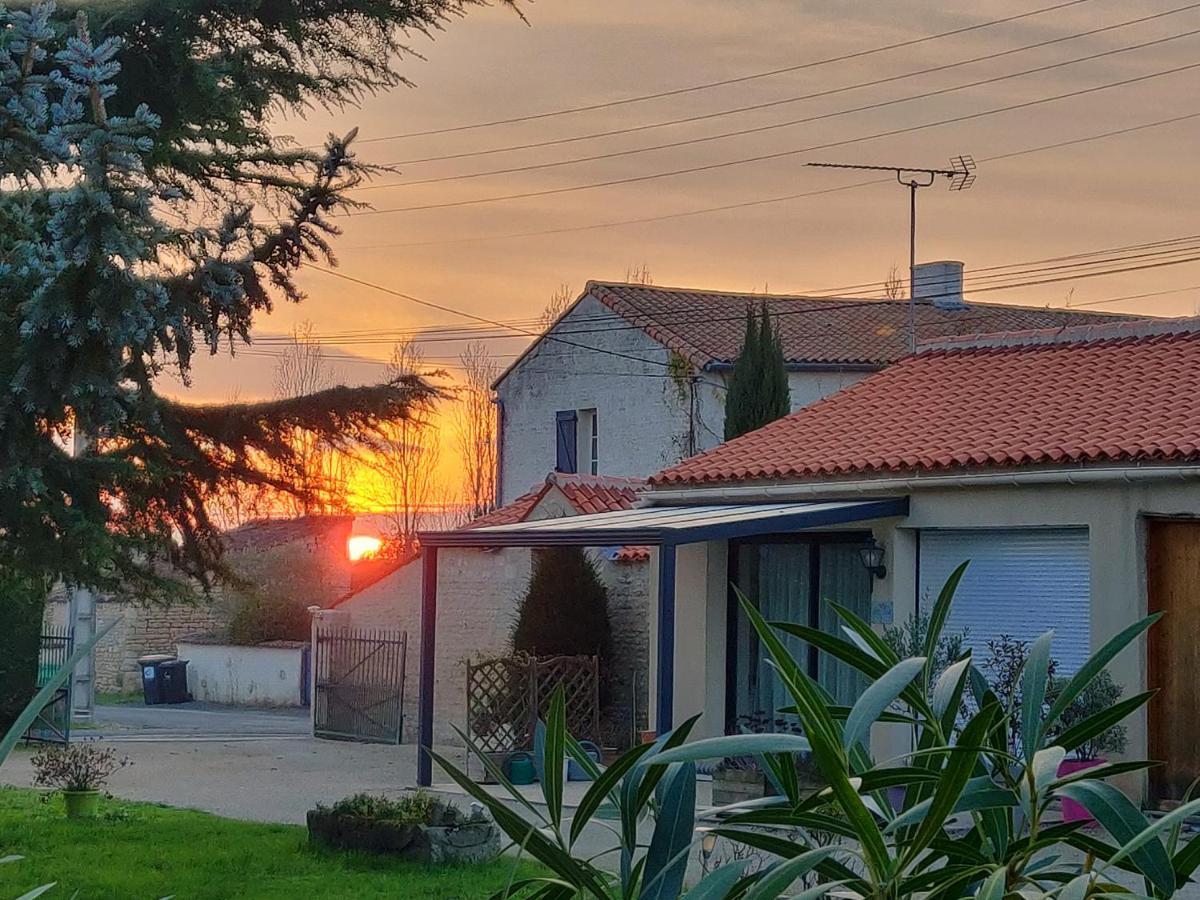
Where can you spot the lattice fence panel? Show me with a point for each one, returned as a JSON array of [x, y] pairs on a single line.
[[506, 696]]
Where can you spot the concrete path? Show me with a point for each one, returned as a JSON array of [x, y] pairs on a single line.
[[208, 721]]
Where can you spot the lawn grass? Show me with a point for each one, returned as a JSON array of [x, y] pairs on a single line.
[[142, 850], [119, 698]]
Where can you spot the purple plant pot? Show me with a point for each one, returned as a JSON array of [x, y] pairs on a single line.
[[1072, 811]]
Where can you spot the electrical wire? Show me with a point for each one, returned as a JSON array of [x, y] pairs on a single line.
[[744, 132], [741, 79], [752, 203], [782, 154]]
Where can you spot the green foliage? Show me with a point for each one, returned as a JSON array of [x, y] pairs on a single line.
[[270, 617], [13, 734], [564, 611], [1101, 694], [416, 808], [146, 850], [110, 274], [910, 638], [758, 387], [23, 602], [975, 813]]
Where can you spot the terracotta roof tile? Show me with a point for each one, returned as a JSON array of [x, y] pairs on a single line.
[[1126, 398], [706, 326], [585, 493]]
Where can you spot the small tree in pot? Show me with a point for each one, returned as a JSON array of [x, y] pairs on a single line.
[[79, 771], [1102, 694]]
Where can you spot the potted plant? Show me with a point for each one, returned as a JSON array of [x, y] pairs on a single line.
[[1101, 694], [737, 779], [78, 771]]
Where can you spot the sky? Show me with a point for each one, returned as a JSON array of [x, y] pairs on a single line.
[[482, 259]]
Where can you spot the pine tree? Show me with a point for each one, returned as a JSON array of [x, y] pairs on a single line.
[[111, 273], [758, 387]]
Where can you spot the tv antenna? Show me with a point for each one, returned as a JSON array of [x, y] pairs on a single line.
[[961, 175]]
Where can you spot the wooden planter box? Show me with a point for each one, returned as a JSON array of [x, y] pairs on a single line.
[[468, 843]]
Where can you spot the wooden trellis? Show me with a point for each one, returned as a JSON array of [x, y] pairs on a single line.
[[507, 695]]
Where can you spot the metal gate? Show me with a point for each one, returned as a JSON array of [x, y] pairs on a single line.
[[358, 680], [53, 722]]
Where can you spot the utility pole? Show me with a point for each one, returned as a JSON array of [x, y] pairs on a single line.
[[83, 600], [961, 175]]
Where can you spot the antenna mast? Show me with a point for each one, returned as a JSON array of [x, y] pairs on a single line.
[[961, 175]]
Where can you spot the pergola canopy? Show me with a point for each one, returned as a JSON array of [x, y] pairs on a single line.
[[659, 525], [664, 527]]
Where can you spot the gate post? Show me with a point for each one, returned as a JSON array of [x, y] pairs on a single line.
[[429, 568]]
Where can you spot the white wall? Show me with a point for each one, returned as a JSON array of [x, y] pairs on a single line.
[[1115, 516], [644, 422], [245, 676]]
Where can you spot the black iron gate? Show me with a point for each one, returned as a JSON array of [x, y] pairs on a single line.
[[358, 676], [53, 723]]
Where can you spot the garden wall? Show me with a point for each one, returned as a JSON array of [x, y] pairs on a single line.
[[271, 674]]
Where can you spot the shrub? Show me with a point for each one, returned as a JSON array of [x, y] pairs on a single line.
[[76, 767], [269, 617], [20, 643], [416, 808], [565, 608], [1102, 694]]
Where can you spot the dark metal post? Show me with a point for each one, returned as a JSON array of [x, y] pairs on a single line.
[[912, 266], [666, 638], [429, 571]]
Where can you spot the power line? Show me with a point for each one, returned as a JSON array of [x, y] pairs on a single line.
[[825, 308], [741, 79], [1019, 271], [458, 312], [1007, 271], [779, 154], [752, 203], [788, 100]]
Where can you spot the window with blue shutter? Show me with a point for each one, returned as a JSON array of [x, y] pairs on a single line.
[[566, 457]]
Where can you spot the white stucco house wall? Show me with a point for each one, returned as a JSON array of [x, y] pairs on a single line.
[[631, 378], [481, 589], [1063, 463]]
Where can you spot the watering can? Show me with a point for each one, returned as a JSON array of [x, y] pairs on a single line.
[[520, 768]]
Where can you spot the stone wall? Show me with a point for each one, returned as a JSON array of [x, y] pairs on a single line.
[[629, 598], [141, 630], [478, 593]]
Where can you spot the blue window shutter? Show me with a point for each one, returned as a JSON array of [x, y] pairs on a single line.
[[566, 459]]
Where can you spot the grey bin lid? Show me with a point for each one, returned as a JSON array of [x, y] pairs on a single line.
[[154, 658]]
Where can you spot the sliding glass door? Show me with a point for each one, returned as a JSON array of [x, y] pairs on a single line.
[[791, 579]]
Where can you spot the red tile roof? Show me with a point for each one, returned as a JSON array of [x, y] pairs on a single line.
[[598, 493], [585, 493], [706, 327], [1128, 393]]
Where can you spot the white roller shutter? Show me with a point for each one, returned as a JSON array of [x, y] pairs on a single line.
[[1021, 582]]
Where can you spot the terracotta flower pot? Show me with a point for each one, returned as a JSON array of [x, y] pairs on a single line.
[[81, 804], [1072, 811]]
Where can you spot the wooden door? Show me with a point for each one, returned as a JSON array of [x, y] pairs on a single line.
[[1173, 665]]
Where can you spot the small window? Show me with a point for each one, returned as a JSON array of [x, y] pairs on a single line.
[[594, 444]]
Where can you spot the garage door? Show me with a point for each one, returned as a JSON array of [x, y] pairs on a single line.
[[1021, 582]]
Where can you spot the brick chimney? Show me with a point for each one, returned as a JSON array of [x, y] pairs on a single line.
[[940, 284]]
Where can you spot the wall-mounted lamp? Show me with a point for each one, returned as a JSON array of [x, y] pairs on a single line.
[[708, 843], [871, 556]]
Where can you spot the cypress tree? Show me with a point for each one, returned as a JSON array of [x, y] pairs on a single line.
[[775, 396], [565, 608], [758, 388], [740, 396]]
